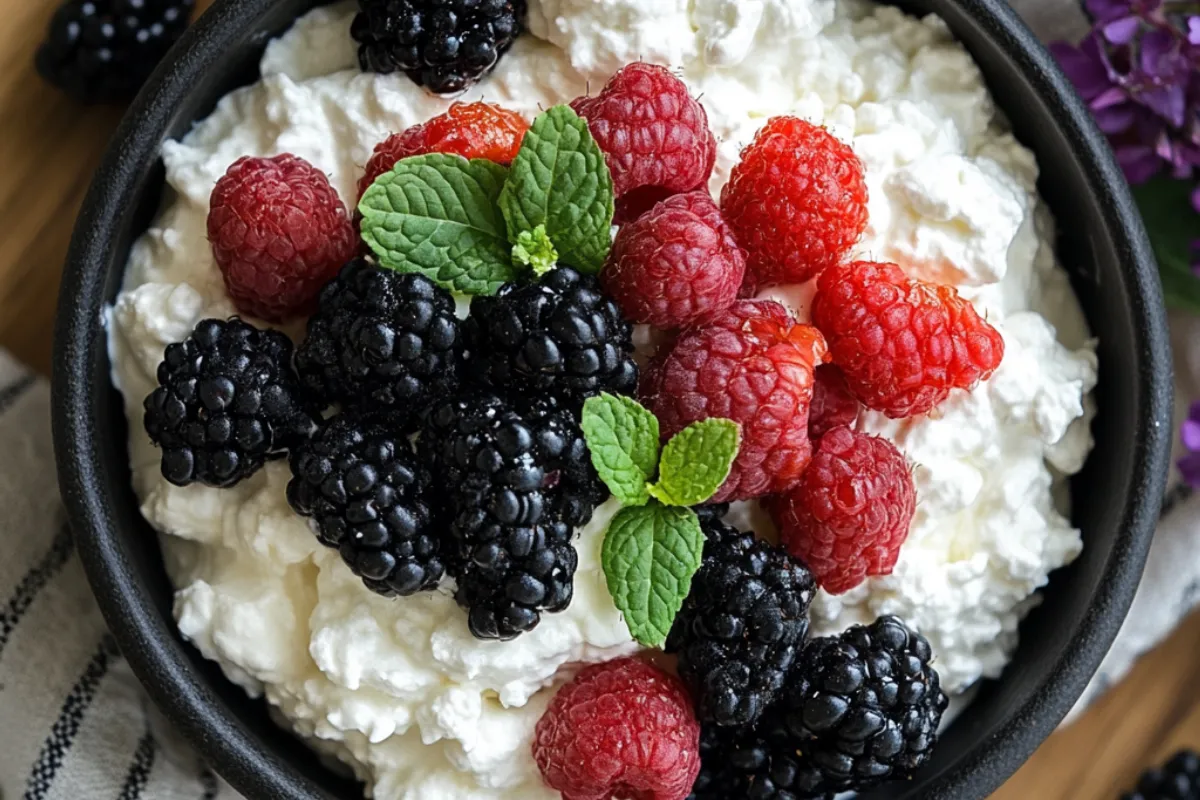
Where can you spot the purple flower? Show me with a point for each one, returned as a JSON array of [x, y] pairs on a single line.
[[1139, 72], [1189, 436]]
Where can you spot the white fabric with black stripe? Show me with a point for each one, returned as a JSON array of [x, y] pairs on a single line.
[[74, 723]]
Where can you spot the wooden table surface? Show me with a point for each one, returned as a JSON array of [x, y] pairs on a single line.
[[49, 148]]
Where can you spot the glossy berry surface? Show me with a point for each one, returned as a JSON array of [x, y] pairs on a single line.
[[742, 626], [561, 334], [381, 339], [753, 364], [279, 233], [227, 400], [470, 130], [851, 511], [797, 201], [620, 730], [516, 478], [675, 265], [654, 135], [903, 344], [443, 45], [102, 51], [361, 483]]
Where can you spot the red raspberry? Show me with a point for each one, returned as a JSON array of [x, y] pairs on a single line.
[[655, 137], [279, 233], [471, 130], [622, 729], [902, 343], [797, 201], [832, 404], [753, 364], [851, 511], [676, 264]]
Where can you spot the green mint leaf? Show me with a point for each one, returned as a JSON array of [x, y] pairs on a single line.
[[559, 180], [534, 249], [696, 462], [623, 439], [649, 555], [1172, 224], [436, 214]]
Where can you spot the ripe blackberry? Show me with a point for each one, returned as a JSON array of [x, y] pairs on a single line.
[[382, 340], [561, 335], [102, 51], [1178, 779], [227, 401], [361, 482], [742, 625], [862, 708], [443, 45], [518, 478]]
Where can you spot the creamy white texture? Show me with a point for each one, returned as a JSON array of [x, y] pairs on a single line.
[[398, 689]]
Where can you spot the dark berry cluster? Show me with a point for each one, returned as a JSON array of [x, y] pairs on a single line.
[[381, 339], [1178, 779], [227, 401], [562, 334], [742, 626], [360, 480], [517, 479], [443, 45], [102, 51], [861, 708]]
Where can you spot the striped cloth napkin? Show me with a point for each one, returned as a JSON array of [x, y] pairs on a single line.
[[77, 725]]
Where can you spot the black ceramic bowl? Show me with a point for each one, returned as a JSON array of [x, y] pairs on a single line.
[[1116, 496]]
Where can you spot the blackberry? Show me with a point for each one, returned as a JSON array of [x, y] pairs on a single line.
[[561, 335], [861, 708], [443, 45], [518, 478], [742, 625], [359, 479], [227, 401], [1178, 779], [102, 51], [381, 339]]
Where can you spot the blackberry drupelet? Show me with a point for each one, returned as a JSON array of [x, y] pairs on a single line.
[[102, 51], [359, 479], [227, 401], [518, 479], [561, 335], [443, 45], [861, 708], [382, 340], [742, 626], [1178, 779]]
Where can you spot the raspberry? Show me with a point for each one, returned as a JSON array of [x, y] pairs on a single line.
[[655, 137], [622, 729], [850, 513], [753, 364], [676, 264], [832, 404], [903, 344], [471, 130], [797, 202], [279, 233]]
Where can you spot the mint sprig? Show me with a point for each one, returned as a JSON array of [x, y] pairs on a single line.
[[654, 545], [436, 214], [534, 249], [559, 180], [650, 554]]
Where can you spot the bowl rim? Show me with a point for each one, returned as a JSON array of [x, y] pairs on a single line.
[[161, 662]]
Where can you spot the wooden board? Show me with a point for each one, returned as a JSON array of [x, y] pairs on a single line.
[[49, 148]]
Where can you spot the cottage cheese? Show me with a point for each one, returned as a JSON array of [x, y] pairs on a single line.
[[398, 689]]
